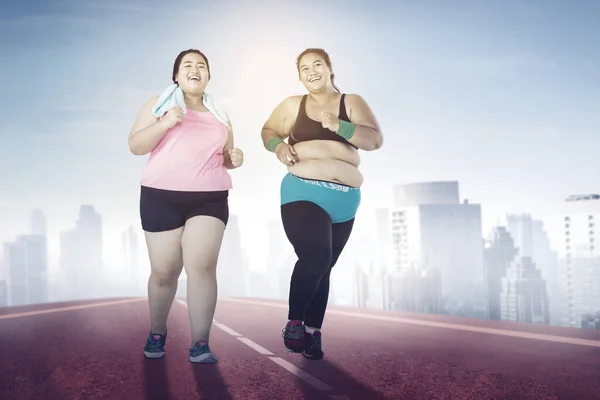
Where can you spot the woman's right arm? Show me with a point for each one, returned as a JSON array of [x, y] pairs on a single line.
[[147, 130], [277, 128], [274, 127]]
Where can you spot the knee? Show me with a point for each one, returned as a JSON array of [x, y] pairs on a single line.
[[162, 278], [202, 269], [316, 259]]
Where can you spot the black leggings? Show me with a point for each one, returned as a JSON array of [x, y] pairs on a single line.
[[318, 244]]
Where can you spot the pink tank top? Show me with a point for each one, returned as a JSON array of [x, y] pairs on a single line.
[[189, 156]]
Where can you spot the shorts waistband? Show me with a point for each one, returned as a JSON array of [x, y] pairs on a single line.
[[326, 184]]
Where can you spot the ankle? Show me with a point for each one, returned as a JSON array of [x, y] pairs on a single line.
[[158, 330], [310, 329]]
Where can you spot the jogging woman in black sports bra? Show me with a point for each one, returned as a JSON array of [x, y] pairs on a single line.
[[321, 193]]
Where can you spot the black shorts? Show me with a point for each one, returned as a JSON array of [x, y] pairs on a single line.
[[164, 210]]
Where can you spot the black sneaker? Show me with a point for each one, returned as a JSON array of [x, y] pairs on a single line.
[[293, 336], [155, 345], [312, 345]]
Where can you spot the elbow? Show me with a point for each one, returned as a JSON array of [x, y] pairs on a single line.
[[378, 143], [375, 144], [135, 149]]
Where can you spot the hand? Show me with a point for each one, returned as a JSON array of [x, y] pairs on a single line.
[[237, 157], [330, 121], [286, 154], [173, 116]]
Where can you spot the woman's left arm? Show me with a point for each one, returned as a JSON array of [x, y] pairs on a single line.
[[226, 149], [364, 131]]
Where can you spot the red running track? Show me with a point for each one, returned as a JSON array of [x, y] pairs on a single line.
[[93, 350]]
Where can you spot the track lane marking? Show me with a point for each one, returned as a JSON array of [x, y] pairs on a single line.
[[68, 308], [446, 325], [306, 377]]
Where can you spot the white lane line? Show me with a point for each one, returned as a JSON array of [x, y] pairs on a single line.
[[227, 329], [311, 380], [68, 308], [445, 325], [301, 374], [255, 346]]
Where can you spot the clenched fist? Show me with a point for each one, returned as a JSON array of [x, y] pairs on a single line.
[[173, 116], [330, 121], [237, 157], [286, 154]]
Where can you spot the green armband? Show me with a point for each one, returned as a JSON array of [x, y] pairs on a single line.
[[346, 129], [273, 142]]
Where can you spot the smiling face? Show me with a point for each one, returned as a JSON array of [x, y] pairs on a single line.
[[315, 73], [191, 72]]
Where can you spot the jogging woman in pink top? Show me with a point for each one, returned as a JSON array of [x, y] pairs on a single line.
[[184, 203]]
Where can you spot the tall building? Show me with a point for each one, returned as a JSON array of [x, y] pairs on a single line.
[[435, 235], [381, 275], [383, 236], [531, 240], [37, 223], [3, 293], [81, 256], [579, 258], [524, 297], [591, 321], [419, 290], [499, 254], [360, 287], [27, 262]]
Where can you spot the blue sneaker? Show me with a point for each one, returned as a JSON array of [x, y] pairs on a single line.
[[155, 345], [201, 353]]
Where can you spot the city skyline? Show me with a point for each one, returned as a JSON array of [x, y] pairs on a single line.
[[468, 100], [374, 280], [114, 239]]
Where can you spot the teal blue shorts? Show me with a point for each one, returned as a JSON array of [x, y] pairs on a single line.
[[339, 201]]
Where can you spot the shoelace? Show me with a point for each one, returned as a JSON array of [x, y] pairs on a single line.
[[293, 332], [155, 343], [315, 342]]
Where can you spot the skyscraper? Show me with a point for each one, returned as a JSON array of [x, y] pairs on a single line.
[[580, 260], [531, 240], [27, 261], [499, 253], [361, 287], [37, 223], [81, 255], [432, 231], [524, 297]]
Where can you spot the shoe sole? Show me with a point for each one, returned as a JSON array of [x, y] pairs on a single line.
[[154, 355], [310, 357], [206, 358], [294, 351]]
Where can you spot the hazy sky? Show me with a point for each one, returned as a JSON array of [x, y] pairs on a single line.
[[503, 96]]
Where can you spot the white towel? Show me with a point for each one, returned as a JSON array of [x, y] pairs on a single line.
[[173, 96]]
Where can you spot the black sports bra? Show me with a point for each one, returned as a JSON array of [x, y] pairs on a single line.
[[306, 129]]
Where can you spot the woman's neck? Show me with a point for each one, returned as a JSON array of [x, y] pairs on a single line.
[[194, 102], [324, 96]]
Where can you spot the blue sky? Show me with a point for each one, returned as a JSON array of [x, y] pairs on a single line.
[[503, 96]]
